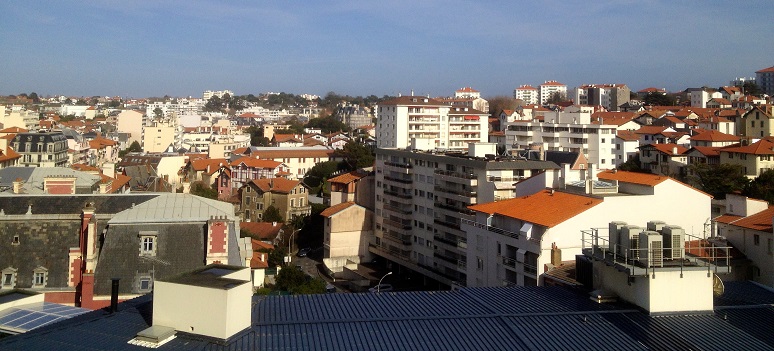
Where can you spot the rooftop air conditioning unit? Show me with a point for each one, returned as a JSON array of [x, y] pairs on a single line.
[[674, 242], [614, 236], [628, 241], [656, 226], [651, 249]]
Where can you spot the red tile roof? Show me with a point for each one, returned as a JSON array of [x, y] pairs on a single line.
[[347, 178], [279, 154], [669, 149], [760, 221], [545, 208], [727, 218], [552, 83], [761, 147], [261, 230], [467, 90], [628, 135], [714, 135], [330, 211], [766, 70], [650, 130], [276, 185], [256, 163], [632, 177], [709, 151]]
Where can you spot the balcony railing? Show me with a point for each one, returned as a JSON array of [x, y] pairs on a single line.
[[446, 224], [455, 208], [510, 262], [407, 210], [400, 195], [399, 180], [399, 165], [455, 191], [497, 230], [398, 224]]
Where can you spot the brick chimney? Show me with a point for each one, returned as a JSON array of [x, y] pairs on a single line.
[[17, 186], [217, 239]]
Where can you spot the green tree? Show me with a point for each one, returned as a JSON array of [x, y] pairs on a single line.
[[633, 165], [718, 180], [256, 136], [135, 147], [327, 124], [751, 88], [199, 188], [762, 187], [320, 172], [34, 97], [659, 99], [158, 112], [272, 214], [499, 103], [556, 97], [356, 155], [293, 280]]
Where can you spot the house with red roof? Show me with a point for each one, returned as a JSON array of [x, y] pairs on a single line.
[[713, 138], [289, 197], [758, 122], [754, 158], [514, 241], [664, 159], [245, 169], [747, 224]]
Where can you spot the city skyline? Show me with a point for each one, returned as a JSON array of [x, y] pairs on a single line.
[[147, 48]]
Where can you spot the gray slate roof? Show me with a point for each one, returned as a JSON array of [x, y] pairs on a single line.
[[33, 178], [513, 318]]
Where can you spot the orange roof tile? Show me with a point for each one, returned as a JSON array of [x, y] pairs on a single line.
[[669, 149], [628, 135], [760, 221], [330, 211], [714, 135], [766, 70], [272, 154], [256, 163], [261, 230], [278, 185], [761, 147], [650, 130], [632, 177], [281, 138], [727, 218], [208, 165], [545, 208], [347, 178], [710, 151]]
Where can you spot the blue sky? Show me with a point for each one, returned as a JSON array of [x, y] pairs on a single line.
[[144, 48]]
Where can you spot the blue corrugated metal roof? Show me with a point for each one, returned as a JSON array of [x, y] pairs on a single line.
[[467, 319]]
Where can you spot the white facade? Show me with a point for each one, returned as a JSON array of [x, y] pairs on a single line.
[[503, 249], [421, 196], [426, 123], [549, 88], [570, 130], [699, 98], [131, 122], [527, 93]]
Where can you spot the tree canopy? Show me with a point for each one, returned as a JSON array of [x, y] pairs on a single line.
[[761, 187], [199, 188], [356, 155], [272, 214], [327, 124], [659, 99], [718, 180], [134, 147], [293, 280]]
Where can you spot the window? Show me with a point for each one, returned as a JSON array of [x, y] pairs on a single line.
[[39, 277], [9, 278], [15, 240], [148, 243], [756, 239], [145, 284]]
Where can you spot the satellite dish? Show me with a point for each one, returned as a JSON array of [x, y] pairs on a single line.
[[717, 286]]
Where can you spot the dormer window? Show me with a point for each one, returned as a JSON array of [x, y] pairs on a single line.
[[39, 277], [148, 243], [9, 278]]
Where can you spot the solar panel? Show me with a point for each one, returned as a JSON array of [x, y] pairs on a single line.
[[35, 315]]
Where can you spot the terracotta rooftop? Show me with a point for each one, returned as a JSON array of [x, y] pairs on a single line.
[[348, 177], [330, 211], [714, 135], [766, 70], [628, 135], [280, 154], [710, 151], [277, 185], [256, 163], [760, 221], [650, 130], [632, 177], [761, 147], [546, 208], [261, 230]]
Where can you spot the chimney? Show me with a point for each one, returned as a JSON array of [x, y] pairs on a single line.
[[17, 186], [114, 294], [556, 255], [674, 150]]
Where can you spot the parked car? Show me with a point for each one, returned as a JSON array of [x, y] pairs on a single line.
[[381, 288], [303, 252]]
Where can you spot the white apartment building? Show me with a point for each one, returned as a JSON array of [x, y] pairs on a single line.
[[177, 107], [527, 93], [426, 124], [549, 88], [700, 97], [157, 137], [208, 94], [569, 130], [421, 197], [298, 160], [511, 241], [609, 96]]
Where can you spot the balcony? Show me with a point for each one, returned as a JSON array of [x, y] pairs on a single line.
[[455, 209], [399, 179], [510, 262], [446, 259], [497, 230], [447, 224], [397, 167], [404, 210], [459, 244], [405, 224], [398, 194], [468, 179], [403, 239]]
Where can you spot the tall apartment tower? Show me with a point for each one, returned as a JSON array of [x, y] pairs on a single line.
[[526, 93], [421, 197], [765, 79], [549, 88], [423, 123]]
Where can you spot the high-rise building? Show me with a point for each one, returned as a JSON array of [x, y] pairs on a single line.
[[422, 196], [549, 89], [427, 124], [526, 93], [765, 80]]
